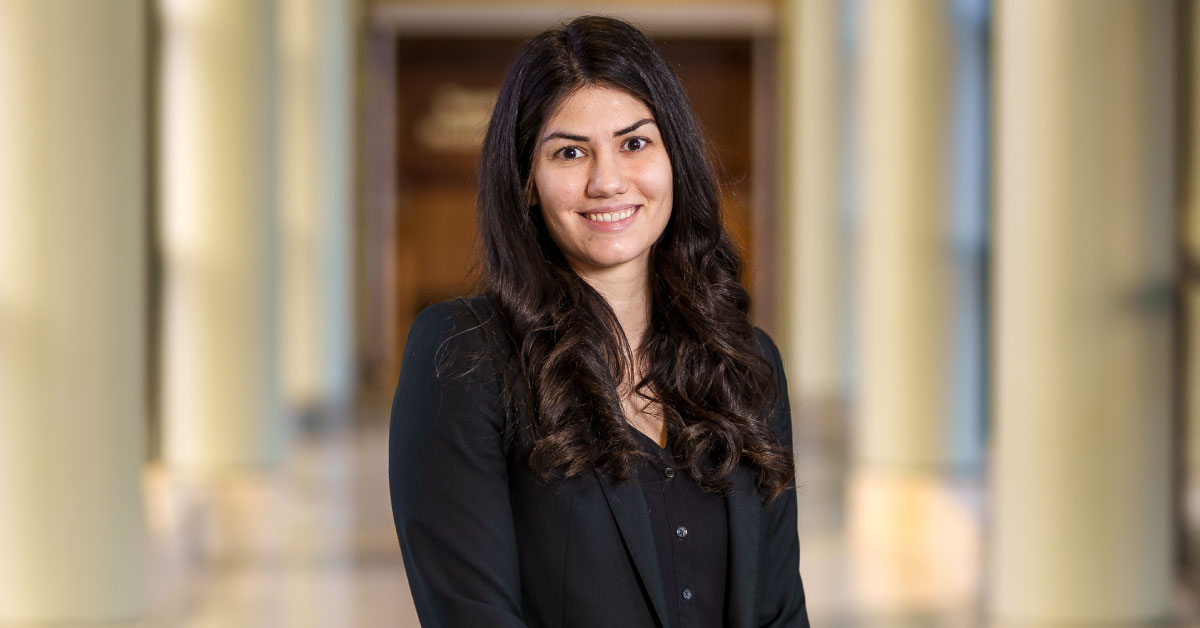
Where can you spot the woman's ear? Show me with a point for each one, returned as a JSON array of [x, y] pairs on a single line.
[[531, 195]]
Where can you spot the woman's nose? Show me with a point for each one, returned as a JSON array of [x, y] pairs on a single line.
[[606, 178]]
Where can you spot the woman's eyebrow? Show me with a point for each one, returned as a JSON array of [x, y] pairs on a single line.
[[564, 136], [631, 128], [559, 135]]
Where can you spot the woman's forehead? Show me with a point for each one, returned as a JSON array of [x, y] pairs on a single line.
[[597, 108]]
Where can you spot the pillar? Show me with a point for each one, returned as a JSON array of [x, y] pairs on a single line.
[[72, 310], [318, 90], [903, 418], [810, 185], [1191, 245], [220, 231], [1083, 230]]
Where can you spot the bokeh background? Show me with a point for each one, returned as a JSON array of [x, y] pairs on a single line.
[[971, 225]]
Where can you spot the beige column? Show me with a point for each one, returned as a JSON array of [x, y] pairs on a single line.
[[903, 345], [810, 183], [1191, 242], [1083, 267], [220, 224], [72, 310], [318, 89]]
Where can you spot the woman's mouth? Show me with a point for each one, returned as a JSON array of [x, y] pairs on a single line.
[[610, 216], [610, 219]]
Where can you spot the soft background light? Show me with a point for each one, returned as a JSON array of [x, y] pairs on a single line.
[[971, 225]]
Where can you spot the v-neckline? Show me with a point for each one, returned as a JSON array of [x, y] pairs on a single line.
[[661, 448]]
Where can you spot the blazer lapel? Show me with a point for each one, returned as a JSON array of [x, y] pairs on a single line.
[[633, 519], [744, 508]]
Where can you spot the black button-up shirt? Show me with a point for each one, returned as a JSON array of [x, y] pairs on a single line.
[[691, 536]]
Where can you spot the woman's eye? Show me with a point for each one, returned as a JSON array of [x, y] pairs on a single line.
[[636, 143], [570, 153]]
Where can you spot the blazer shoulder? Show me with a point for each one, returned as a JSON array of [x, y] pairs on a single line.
[[454, 338], [780, 415], [768, 348], [464, 322]]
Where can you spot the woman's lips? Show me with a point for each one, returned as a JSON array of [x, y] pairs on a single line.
[[609, 219]]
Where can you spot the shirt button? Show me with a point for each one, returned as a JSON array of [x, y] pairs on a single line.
[[670, 473], [681, 532], [687, 594]]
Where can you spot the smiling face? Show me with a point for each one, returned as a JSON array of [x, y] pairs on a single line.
[[603, 180]]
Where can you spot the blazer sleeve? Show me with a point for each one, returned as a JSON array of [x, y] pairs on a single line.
[[448, 476], [782, 601]]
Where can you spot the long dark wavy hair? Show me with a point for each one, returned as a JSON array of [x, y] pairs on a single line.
[[701, 361]]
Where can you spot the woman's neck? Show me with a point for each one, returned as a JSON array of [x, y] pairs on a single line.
[[627, 291]]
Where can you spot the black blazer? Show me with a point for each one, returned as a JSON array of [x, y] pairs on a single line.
[[486, 543]]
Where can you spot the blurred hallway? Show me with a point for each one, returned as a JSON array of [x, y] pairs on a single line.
[[972, 227], [310, 544]]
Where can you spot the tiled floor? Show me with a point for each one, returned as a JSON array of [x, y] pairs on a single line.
[[309, 545], [312, 543]]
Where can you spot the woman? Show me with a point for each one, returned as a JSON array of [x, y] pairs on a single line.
[[600, 438]]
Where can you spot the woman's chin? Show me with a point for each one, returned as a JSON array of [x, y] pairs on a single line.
[[608, 261]]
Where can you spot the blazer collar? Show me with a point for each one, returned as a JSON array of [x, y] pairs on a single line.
[[744, 510], [629, 508]]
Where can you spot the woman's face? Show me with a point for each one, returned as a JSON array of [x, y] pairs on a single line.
[[603, 180]]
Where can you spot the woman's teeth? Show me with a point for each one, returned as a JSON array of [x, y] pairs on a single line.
[[611, 216]]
